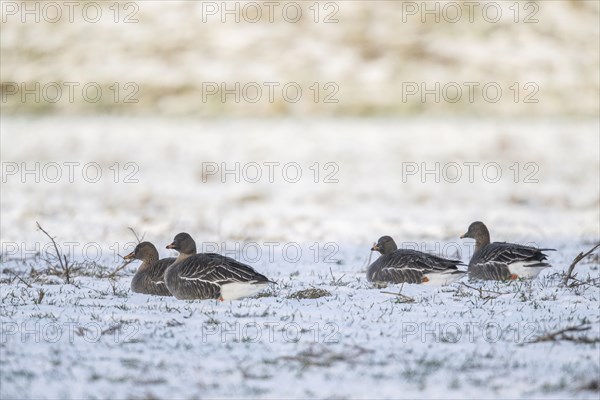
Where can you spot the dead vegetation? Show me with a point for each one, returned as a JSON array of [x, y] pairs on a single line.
[[565, 334], [400, 297], [569, 275], [58, 264], [126, 262], [312, 293], [323, 356]]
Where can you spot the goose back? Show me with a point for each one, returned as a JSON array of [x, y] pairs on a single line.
[[495, 261], [409, 266], [203, 276]]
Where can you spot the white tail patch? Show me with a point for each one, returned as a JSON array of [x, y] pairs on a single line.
[[522, 270], [443, 278], [237, 290]]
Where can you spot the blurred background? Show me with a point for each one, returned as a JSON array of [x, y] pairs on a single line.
[[369, 49], [371, 87]]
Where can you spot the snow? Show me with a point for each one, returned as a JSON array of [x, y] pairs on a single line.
[[95, 338]]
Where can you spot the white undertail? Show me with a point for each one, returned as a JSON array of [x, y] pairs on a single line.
[[527, 269], [443, 278], [237, 290]]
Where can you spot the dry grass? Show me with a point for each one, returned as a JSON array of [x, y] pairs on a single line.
[[312, 293]]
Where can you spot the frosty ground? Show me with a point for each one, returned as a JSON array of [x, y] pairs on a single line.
[[92, 337]]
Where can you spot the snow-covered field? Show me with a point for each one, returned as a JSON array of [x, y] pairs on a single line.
[[93, 338]]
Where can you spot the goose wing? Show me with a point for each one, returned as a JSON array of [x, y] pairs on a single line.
[[157, 288], [219, 270], [156, 275], [157, 272], [408, 266], [490, 270], [509, 253]]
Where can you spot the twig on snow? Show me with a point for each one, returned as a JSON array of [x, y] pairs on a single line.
[[66, 268], [580, 257], [126, 263], [19, 278], [136, 235], [403, 298], [561, 335]]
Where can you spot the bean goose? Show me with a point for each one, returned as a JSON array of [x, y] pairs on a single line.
[[501, 260], [410, 266], [149, 278], [209, 275]]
